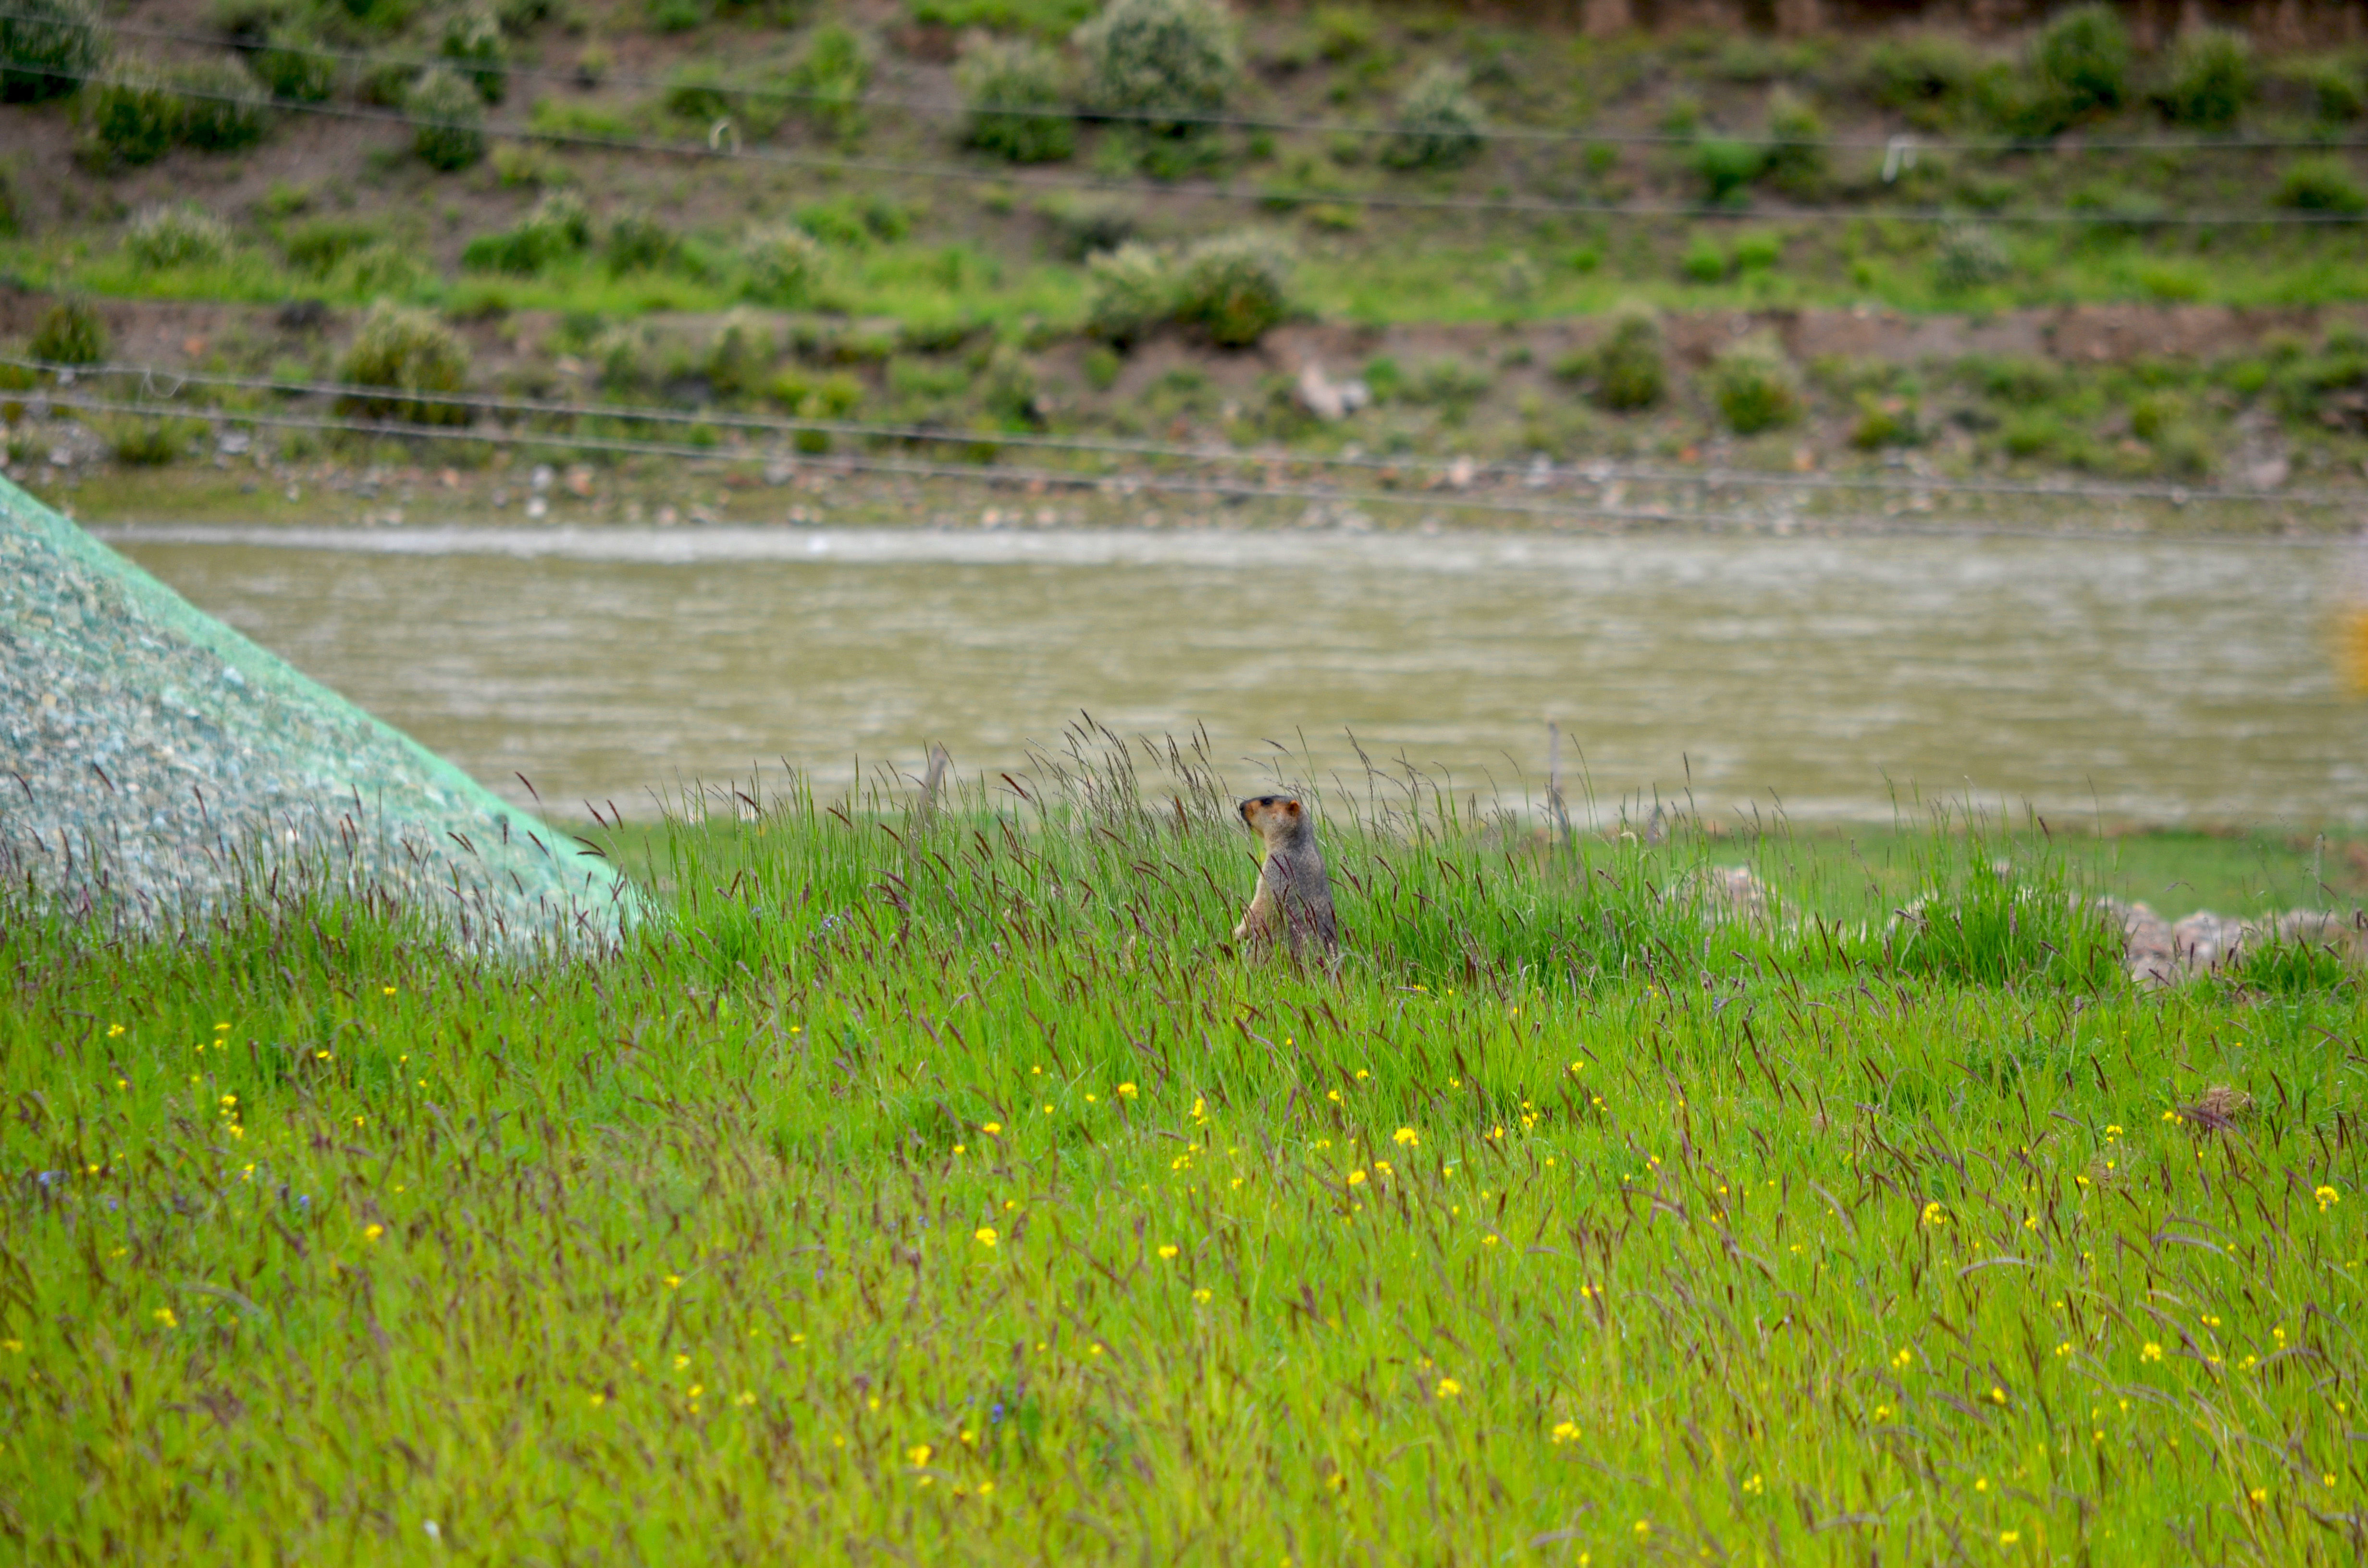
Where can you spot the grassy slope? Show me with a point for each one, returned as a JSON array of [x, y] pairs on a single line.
[[947, 1188], [1001, 255]]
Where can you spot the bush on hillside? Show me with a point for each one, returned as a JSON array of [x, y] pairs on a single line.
[[2336, 84], [1754, 386], [559, 226], [452, 129], [1440, 122], [70, 332], [2211, 78], [782, 265], [1235, 287], [639, 243], [47, 48], [1631, 367], [471, 44], [740, 355], [223, 108], [833, 70], [2083, 55], [1130, 291], [1728, 168], [291, 68], [1794, 160], [1161, 57], [1922, 75], [2321, 184], [133, 116], [1019, 75], [1969, 257], [405, 350], [163, 238]]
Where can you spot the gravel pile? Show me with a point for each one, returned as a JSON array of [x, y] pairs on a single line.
[[155, 766]]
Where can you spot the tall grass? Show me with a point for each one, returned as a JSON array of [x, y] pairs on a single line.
[[928, 1178]]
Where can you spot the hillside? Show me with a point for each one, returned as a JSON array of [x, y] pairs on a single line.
[[1403, 238]]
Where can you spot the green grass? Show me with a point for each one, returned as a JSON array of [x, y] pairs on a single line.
[[945, 1183]]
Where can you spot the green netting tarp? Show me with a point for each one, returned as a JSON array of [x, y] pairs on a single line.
[[154, 764]]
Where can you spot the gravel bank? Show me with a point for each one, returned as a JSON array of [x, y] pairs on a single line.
[[154, 764]]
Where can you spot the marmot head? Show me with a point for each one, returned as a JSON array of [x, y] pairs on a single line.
[[1274, 816]]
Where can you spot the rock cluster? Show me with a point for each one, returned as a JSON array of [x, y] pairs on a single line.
[[2160, 952], [156, 767]]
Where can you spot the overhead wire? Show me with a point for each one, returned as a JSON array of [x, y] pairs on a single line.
[[1600, 472], [719, 146]]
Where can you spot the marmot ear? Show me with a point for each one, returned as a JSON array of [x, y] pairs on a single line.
[[1291, 807]]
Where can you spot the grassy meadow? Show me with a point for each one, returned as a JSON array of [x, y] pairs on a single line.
[[931, 1181]]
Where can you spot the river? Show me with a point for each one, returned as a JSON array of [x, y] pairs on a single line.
[[2149, 680]]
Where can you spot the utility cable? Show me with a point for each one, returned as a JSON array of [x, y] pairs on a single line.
[[1597, 473]]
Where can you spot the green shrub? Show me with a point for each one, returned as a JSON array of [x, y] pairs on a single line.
[[134, 117], [696, 90], [403, 350], [1754, 386], [451, 131], [291, 68], [1794, 159], [223, 108], [559, 226], [1757, 252], [2321, 184], [11, 219], [1705, 260], [741, 353], [1968, 257], [2020, 104], [1883, 422], [1631, 366], [1440, 122], [1130, 291], [1021, 75], [471, 45], [2337, 86], [680, 15], [377, 270], [1083, 225], [163, 238], [1101, 368], [2212, 79], [2152, 416], [70, 331], [782, 266], [1726, 167], [47, 48], [1233, 287], [639, 243], [143, 441], [2083, 55], [1922, 76], [1155, 57], [318, 246], [620, 359], [1343, 32], [1449, 384], [833, 70]]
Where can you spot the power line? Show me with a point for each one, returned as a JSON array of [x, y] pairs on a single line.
[[1599, 473], [717, 147], [1049, 478], [1526, 134]]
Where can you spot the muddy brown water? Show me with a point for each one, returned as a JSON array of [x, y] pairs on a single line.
[[2156, 681]]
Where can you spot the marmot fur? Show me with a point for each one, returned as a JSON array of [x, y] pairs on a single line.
[[1294, 900]]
